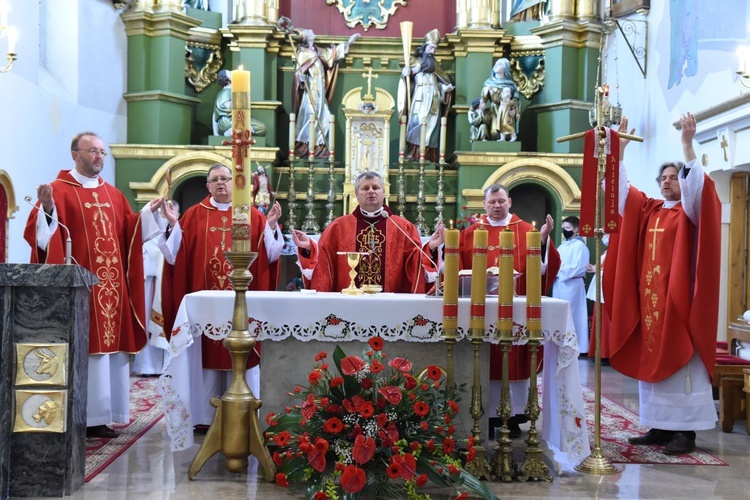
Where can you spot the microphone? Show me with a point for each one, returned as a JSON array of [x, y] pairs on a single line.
[[68, 242], [387, 216]]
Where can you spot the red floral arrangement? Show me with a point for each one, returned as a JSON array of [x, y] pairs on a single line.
[[368, 428]]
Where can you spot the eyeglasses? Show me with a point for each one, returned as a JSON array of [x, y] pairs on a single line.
[[217, 180], [94, 152]]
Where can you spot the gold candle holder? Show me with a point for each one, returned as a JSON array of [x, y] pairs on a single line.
[[234, 430], [504, 467]]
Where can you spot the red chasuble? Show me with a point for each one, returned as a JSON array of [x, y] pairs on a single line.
[[106, 237], [200, 265], [394, 262], [520, 357], [660, 314]]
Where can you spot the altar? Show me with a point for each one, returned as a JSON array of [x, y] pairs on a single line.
[[295, 326]]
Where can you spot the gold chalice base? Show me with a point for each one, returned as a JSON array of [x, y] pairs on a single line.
[[372, 289], [352, 290]]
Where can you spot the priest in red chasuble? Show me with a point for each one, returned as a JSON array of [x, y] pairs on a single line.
[[195, 248], [497, 205], [106, 239], [663, 280], [394, 258]]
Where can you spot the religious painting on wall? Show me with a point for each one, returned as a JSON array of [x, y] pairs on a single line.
[[367, 13]]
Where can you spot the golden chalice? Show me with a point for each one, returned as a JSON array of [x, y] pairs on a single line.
[[352, 258]]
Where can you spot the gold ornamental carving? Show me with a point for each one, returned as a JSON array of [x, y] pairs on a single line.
[[367, 14], [40, 411], [41, 364], [203, 57]]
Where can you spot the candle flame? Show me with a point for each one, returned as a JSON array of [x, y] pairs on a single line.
[[533, 223], [450, 223], [240, 67]]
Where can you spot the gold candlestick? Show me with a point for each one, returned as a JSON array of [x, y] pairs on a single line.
[[504, 467]]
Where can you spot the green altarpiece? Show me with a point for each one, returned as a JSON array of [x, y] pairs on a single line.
[[169, 119]]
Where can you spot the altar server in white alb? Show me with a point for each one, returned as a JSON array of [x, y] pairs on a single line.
[[569, 284]]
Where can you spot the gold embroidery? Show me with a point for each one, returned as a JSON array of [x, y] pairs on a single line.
[[223, 230], [650, 296], [371, 240], [106, 253]]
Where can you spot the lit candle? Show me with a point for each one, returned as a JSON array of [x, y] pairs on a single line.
[[443, 135], [505, 286], [478, 283], [534, 283], [450, 284], [331, 137], [450, 224], [241, 142], [402, 139], [422, 140], [292, 134]]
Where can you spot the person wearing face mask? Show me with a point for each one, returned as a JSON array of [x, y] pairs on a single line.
[[606, 321], [569, 284], [663, 275]]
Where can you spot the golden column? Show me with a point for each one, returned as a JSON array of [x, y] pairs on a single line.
[[235, 431]]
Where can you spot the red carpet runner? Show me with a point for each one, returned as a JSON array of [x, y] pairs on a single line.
[[619, 423], [145, 411]]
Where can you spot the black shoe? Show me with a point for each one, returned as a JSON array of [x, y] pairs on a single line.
[[654, 436], [101, 431], [681, 443], [514, 425]]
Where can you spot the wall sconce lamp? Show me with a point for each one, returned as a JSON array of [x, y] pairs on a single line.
[[9, 32], [743, 53]]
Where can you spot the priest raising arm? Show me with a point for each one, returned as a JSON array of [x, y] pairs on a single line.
[[106, 239], [497, 204], [393, 260], [664, 260], [195, 249]]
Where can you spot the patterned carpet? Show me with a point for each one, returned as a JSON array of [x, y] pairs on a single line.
[[145, 411], [619, 423]]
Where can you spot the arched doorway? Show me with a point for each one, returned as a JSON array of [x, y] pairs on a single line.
[[7, 208]]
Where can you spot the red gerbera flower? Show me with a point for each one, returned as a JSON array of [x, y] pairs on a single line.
[[320, 495], [376, 366], [421, 408], [321, 355], [282, 438], [333, 425], [367, 410], [434, 372], [394, 471], [376, 343], [421, 480]]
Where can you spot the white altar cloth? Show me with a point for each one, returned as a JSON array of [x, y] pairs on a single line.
[[336, 317]]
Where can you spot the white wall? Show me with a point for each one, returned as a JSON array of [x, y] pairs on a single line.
[[652, 107], [42, 109]]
